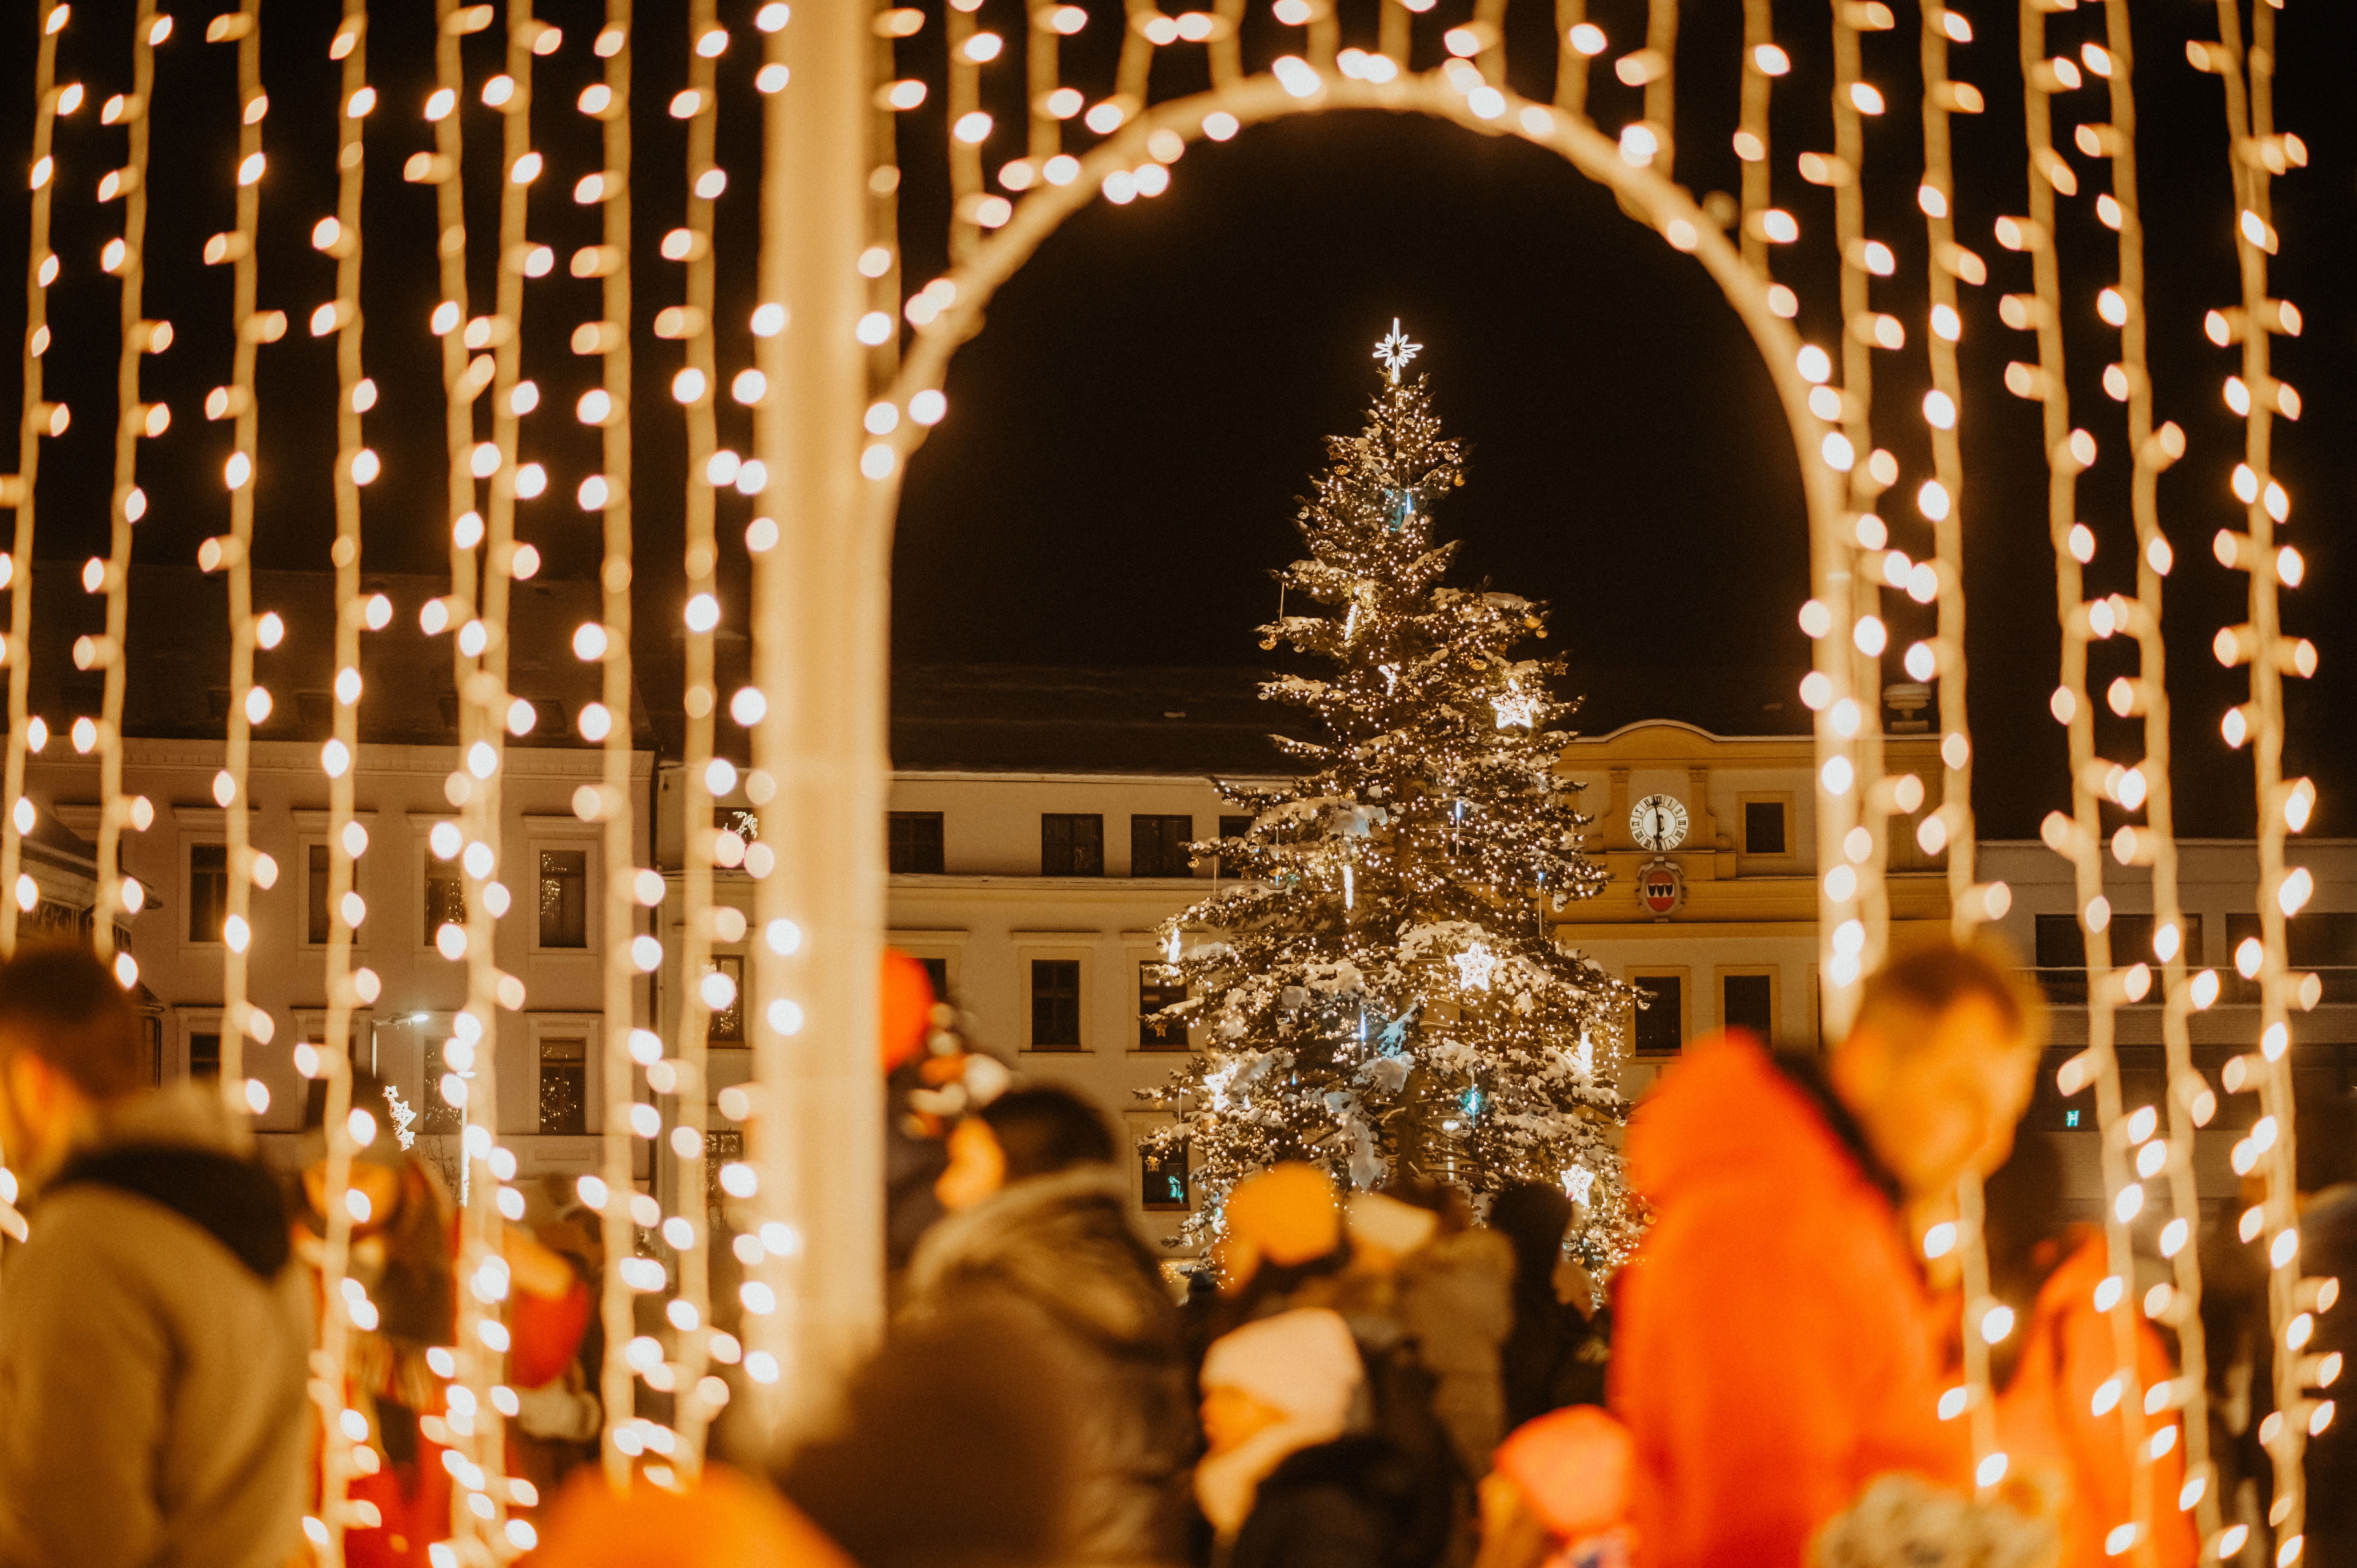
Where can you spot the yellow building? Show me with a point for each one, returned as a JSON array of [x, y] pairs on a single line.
[[1712, 905]]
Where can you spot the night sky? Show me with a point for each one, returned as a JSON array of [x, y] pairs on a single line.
[[1115, 479]]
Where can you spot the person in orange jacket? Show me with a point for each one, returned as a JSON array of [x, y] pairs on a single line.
[[2049, 1373], [404, 1254], [1776, 1346]]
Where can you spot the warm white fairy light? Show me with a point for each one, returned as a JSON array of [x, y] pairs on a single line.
[[687, 1233], [239, 1019], [135, 419], [2247, 75], [606, 804], [344, 1126], [2079, 834]]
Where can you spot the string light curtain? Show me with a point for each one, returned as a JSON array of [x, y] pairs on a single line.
[[838, 408], [2190, 1102], [126, 258], [346, 1127], [608, 493], [40, 418], [702, 990], [2259, 152], [231, 555]]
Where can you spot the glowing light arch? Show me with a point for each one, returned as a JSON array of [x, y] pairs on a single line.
[[1665, 206]]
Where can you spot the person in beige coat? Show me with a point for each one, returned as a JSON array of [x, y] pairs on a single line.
[[152, 1340]]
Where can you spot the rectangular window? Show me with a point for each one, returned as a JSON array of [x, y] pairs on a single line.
[[2322, 943], [154, 1031], [1763, 827], [564, 1087], [1159, 986], [564, 897], [314, 889], [916, 843], [208, 892], [204, 1056], [727, 1025], [1748, 1002], [446, 899], [1661, 1025], [1157, 846], [1072, 845], [1165, 1178], [937, 972], [721, 1147], [436, 1114], [1054, 1005]]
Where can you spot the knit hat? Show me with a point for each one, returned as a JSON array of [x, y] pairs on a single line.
[[1396, 1228], [1305, 1363], [1573, 1468], [1284, 1215], [723, 1522]]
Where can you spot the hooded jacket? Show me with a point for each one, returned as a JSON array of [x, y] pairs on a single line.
[[152, 1342], [1062, 1246], [1774, 1346], [2047, 1423]]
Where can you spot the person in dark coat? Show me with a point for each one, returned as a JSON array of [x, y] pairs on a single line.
[[1037, 1218], [1286, 1484], [1555, 1355]]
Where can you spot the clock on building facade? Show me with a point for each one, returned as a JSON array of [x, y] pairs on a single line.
[[1658, 822]]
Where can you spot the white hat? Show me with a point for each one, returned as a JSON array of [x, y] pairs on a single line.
[[1305, 1363]]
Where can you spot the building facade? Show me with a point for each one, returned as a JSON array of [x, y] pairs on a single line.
[[550, 1096]]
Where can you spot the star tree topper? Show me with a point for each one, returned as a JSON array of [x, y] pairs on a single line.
[[1394, 351]]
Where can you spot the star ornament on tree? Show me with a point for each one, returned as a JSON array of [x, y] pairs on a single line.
[[1394, 351]]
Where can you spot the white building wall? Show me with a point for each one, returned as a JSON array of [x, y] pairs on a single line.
[[398, 799]]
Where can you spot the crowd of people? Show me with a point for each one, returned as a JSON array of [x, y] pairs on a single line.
[[1406, 1377]]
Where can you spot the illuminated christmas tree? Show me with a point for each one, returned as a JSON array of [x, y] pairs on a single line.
[[1377, 991]]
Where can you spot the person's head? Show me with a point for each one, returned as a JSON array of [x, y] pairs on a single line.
[[1299, 1369], [70, 1046], [1023, 1133], [1940, 1063], [1286, 1217], [377, 1167], [1535, 1216], [952, 1447]]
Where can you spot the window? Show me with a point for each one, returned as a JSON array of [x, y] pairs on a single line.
[[436, 1115], [1070, 845], [314, 889], [1159, 986], [2060, 945], [446, 899], [2324, 943], [722, 1147], [937, 973], [207, 893], [1749, 1001], [1054, 1005], [564, 1087], [1164, 1173], [726, 1026], [564, 897], [1157, 846], [1763, 828], [204, 1056], [916, 843], [1661, 1024], [153, 1027]]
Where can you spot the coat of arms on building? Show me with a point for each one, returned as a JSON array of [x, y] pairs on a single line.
[[1660, 885]]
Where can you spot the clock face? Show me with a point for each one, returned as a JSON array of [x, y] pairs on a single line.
[[1658, 822]]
